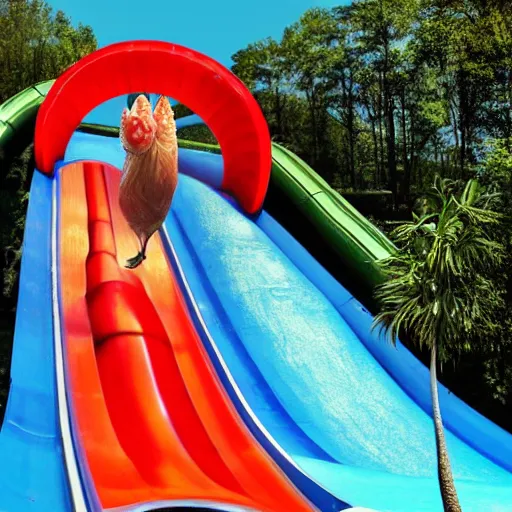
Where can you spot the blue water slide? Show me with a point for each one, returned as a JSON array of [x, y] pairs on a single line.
[[34, 450], [190, 120], [345, 414]]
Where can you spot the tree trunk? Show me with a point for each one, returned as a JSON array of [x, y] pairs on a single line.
[[350, 119], [376, 177], [384, 176], [389, 115], [444, 471], [508, 95], [455, 131], [347, 109], [314, 124], [407, 169], [346, 160], [390, 140], [279, 113], [412, 167], [462, 121]]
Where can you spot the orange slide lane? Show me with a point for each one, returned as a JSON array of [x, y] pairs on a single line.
[[151, 414]]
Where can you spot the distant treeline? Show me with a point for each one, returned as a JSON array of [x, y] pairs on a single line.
[[37, 44], [385, 93]]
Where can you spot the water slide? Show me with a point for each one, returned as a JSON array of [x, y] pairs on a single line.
[[230, 370], [319, 217], [298, 196]]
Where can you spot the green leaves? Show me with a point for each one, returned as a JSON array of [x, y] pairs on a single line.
[[37, 45], [308, 55], [391, 91], [440, 288], [260, 65]]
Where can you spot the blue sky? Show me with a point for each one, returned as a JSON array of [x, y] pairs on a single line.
[[216, 28]]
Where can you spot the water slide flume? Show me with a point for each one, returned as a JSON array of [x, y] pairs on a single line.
[[353, 242], [233, 310], [156, 432], [142, 415], [358, 245]]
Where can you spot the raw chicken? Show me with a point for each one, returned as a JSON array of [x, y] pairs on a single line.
[[150, 171]]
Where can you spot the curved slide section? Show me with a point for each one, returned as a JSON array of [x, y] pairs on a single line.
[[151, 418], [33, 474], [141, 420], [18, 117], [306, 373], [296, 188], [108, 150], [188, 76]]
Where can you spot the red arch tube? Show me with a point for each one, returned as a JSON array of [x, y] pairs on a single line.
[[205, 86]]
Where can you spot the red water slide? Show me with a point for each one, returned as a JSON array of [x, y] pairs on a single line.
[[151, 416]]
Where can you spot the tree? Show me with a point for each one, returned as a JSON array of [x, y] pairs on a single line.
[[344, 62], [387, 92], [37, 45], [369, 97], [289, 80], [306, 62], [495, 172], [383, 26], [260, 67], [469, 45], [438, 289]]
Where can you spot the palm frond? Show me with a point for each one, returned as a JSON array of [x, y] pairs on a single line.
[[437, 287]]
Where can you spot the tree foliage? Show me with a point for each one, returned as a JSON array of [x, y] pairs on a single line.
[[36, 44], [495, 172], [440, 289], [386, 94]]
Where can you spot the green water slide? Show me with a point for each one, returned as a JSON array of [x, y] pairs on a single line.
[[18, 117], [357, 242]]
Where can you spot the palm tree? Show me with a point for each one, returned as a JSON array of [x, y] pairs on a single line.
[[438, 289]]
